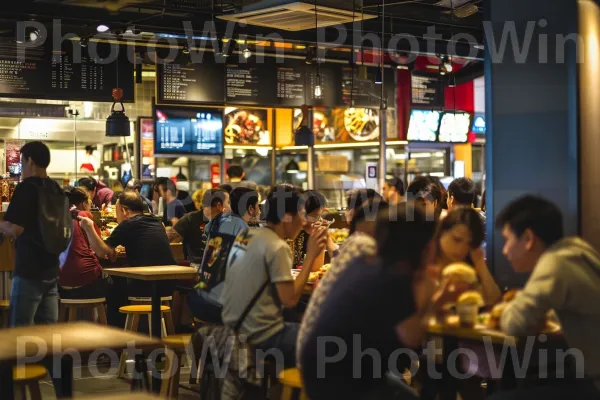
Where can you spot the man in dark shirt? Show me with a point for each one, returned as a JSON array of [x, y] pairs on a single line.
[[34, 295], [134, 185], [173, 207], [190, 228], [145, 242]]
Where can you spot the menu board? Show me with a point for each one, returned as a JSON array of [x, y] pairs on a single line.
[[68, 73], [267, 83], [146, 128], [423, 126], [188, 131], [251, 83], [181, 81], [363, 90], [290, 85], [455, 127], [427, 90]]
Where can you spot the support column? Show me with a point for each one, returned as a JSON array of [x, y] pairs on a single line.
[[532, 113]]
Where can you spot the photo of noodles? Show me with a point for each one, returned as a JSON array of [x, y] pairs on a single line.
[[362, 124]]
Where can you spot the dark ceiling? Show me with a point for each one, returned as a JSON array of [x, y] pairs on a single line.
[[412, 17]]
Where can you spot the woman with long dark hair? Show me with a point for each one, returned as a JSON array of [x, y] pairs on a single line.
[[81, 276], [459, 238]]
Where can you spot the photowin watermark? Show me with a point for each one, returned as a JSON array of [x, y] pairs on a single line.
[[367, 362], [506, 42]]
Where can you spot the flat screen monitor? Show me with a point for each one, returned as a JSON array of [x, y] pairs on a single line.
[[455, 127], [479, 124], [423, 125], [188, 131]]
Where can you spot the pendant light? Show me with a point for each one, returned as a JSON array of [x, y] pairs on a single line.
[[318, 87], [117, 123]]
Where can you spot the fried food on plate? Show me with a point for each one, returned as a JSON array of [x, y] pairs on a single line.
[[461, 272]]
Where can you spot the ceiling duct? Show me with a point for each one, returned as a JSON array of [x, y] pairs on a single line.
[[296, 16]]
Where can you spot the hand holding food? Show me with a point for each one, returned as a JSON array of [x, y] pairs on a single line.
[[460, 272]]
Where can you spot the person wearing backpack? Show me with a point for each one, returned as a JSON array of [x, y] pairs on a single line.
[[221, 232], [34, 293]]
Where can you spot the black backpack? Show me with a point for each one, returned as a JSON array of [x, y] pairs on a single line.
[[56, 223], [214, 263]]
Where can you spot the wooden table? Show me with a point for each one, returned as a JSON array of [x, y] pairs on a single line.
[[452, 333], [17, 344], [154, 275]]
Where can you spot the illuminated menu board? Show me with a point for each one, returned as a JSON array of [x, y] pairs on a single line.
[[68, 73], [455, 127], [188, 131]]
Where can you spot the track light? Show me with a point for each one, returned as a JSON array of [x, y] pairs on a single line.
[[378, 77], [446, 66], [185, 50], [30, 35], [247, 53], [310, 55], [102, 28], [227, 49], [83, 42]]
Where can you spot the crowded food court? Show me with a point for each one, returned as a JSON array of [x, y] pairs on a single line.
[[299, 200]]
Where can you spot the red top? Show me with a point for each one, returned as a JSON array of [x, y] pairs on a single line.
[[82, 266]]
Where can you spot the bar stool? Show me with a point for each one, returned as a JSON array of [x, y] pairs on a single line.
[[165, 301], [175, 347], [69, 307], [4, 311], [291, 379], [28, 377], [132, 322]]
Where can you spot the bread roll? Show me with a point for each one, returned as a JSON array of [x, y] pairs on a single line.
[[471, 297], [462, 272]]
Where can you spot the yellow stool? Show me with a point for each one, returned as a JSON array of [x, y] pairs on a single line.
[[132, 323], [175, 347], [165, 301], [291, 380], [4, 310], [69, 307], [29, 377]]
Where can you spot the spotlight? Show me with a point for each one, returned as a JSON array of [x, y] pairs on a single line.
[[102, 28], [34, 35], [247, 53], [310, 55], [83, 42], [30, 35], [227, 47], [378, 77], [185, 50], [446, 65]]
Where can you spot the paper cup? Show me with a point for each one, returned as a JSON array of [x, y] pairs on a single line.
[[467, 314]]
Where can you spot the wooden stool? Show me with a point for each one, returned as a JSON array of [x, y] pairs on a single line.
[[165, 301], [4, 310], [29, 377], [69, 307], [132, 322], [175, 348], [291, 381]]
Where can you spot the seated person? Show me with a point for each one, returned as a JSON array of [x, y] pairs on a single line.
[[244, 203], [206, 304], [260, 264], [191, 228], [81, 276], [145, 242], [134, 185], [173, 208], [100, 194], [380, 301], [565, 277], [314, 207]]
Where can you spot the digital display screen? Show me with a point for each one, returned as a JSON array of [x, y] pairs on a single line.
[[455, 127], [188, 131], [423, 125], [479, 124]]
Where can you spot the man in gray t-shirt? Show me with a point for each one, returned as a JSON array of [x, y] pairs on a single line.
[[262, 254]]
